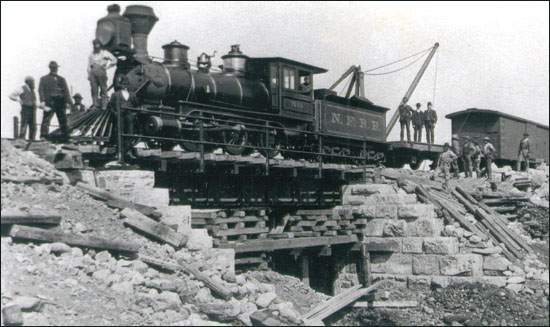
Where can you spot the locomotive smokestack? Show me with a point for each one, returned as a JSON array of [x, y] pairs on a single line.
[[142, 19]]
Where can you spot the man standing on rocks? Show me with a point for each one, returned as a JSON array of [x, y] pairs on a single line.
[[54, 93], [489, 153], [418, 122], [26, 96], [468, 152], [477, 159], [445, 162], [405, 116], [523, 152], [456, 149]]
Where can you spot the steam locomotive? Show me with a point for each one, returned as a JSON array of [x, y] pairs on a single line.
[[266, 104]]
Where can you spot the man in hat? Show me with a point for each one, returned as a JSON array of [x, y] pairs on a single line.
[[468, 153], [430, 118], [26, 96], [476, 158], [489, 153], [523, 152], [446, 159], [78, 106], [98, 62], [54, 94], [418, 122], [405, 116]]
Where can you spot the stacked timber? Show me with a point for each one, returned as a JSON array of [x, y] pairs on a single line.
[[504, 203]]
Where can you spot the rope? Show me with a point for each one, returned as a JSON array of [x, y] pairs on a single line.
[[396, 70], [402, 59]]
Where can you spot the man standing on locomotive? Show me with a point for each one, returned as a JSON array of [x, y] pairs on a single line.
[[405, 116], [27, 98], [489, 153], [418, 122], [54, 93], [98, 62], [523, 152], [430, 118]]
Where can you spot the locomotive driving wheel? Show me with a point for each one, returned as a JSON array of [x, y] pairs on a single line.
[[236, 140]]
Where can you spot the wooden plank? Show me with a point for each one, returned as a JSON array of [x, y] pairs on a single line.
[[249, 261], [241, 231], [386, 304], [152, 228], [365, 276], [117, 201], [216, 288], [314, 212], [301, 242], [304, 264], [11, 217], [32, 180], [44, 235]]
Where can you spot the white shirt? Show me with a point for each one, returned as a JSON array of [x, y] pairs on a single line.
[[103, 58]]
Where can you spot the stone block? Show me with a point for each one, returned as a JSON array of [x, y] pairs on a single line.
[[199, 240], [134, 185], [394, 228], [497, 263], [179, 216], [395, 199], [424, 227], [440, 245], [441, 281], [222, 260], [364, 211], [391, 263], [368, 189], [425, 264], [419, 283], [386, 211], [499, 281], [375, 227], [412, 244], [461, 264], [383, 244], [415, 211]]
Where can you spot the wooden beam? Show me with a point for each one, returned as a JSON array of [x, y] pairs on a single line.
[[304, 264], [11, 217], [386, 304], [216, 288], [302, 242], [43, 235], [156, 230], [365, 276]]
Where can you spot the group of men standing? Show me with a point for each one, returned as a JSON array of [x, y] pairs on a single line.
[[420, 119]]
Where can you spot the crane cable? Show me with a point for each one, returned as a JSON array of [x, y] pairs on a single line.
[[396, 70], [399, 60]]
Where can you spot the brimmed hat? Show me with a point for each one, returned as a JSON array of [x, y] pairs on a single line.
[[486, 138], [446, 144], [53, 64], [454, 137], [77, 96], [29, 78]]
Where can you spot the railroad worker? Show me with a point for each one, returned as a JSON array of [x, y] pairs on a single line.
[[305, 85], [120, 99], [467, 153], [477, 159], [523, 152], [430, 119], [26, 96], [445, 162], [98, 62], [78, 106], [418, 123], [405, 117], [489, 153], [54, 93], [455, 146]]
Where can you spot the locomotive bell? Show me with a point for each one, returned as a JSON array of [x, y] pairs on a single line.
[[142, 19], [234, 62], [175, 54]]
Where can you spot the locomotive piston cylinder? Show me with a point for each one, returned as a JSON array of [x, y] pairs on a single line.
[[162, 126]]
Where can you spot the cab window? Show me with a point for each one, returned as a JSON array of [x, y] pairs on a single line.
[[289, 79]]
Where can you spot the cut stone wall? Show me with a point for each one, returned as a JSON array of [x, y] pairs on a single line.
[[134, 185]]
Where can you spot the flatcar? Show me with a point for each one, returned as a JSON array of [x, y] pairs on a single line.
[[505, 132]]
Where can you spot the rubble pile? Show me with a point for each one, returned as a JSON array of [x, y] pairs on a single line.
[[20, 166]]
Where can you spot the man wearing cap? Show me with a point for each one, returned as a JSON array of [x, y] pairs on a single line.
[[468, 152], [446, 159], [477, 159], [489, 153], [98, 62], [77, 107], [54, 93], [430, 118], [405, 116], [26, 96], [418, 122], [523, 152]]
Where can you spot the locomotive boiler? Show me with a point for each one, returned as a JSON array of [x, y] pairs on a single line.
[[266, 104]]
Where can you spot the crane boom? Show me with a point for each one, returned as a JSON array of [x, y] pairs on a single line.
[[411, 89]]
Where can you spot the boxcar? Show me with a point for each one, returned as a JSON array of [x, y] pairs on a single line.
[[504, 130]]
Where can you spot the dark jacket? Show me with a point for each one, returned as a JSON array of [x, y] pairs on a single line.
[[405, 113], [418, 118], [53, 86], [430, 117]]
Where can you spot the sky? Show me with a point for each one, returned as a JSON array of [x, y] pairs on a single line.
[[492, 55]]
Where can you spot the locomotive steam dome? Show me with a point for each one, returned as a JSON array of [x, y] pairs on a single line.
[[234, 62], [175, 54]]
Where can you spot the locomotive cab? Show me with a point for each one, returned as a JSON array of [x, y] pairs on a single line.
[[290, 84]]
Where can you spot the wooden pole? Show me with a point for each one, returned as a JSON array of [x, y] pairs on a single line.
[[365, 277], [304, 263], [15, 127]]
